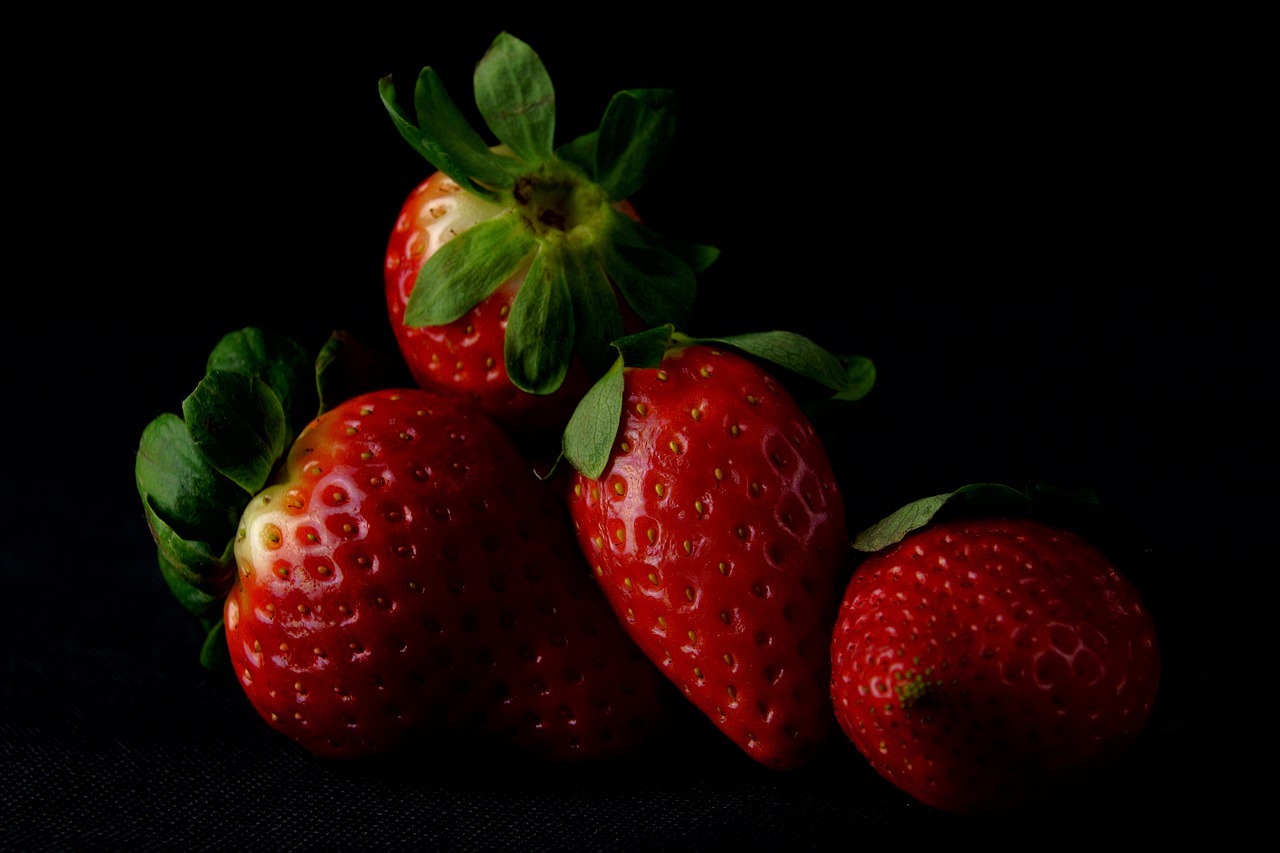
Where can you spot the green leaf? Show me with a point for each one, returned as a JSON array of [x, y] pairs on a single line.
[[658, 285], [634, 138], [281, 363], [596, 316], [516, 98], [204, 564], [238, 425], [540, 335], [1078, 510], [581, 152], [214, 655], [647, 348], [976, 499], [177, 483], [860, 377], [630, 232], [589, 436], [200, 600], [468, 268], [443, 136], [697, 256], [851, 377]]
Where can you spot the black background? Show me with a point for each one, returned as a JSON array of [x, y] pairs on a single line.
[[1036, 228]]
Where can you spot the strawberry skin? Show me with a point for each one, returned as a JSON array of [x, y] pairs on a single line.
[[407, 577], [717, 531], [981, 665]]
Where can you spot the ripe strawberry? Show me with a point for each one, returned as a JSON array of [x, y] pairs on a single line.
[[465, 356], [509, 261], [716, 527], [405, 576], [983, 663]]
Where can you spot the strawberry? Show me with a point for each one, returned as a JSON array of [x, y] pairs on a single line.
[[708, 509], [465, 356], [404, 576], [982, 662], [511, 269]]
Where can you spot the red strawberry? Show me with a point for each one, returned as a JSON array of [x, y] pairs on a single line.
[[465, 356], [717, 530], [504, 270], [406, 577], [981, 664]]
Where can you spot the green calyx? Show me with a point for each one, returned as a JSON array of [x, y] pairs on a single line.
[[560, 219], [195, 473], [1079, 510], [588, 438]]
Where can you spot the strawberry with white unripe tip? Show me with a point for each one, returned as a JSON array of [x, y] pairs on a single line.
[[401, 579], [513, 267]]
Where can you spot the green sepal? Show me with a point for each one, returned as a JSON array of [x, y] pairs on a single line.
[[442, 135], [214, 654], [238, 424], [178, 485], [204, 600], [539, 341], [467, 269], [588, 437], [647, 349], [281, 363], [979, 498], [850, 377], [697, 257], [593, 427], [203, 563], [1078, 510], [514, 94], [634, 137], [597, 319], [658, 285], [581, 152], [258, 390]]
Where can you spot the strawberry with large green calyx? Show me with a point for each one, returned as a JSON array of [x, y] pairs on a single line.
[[709, 512], [194, 473], [989, 654], [398, 575], [543, 236]]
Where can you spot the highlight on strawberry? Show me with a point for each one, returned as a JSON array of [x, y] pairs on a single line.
[[381, 568], [988, 656], [708, 510], [512, 268]]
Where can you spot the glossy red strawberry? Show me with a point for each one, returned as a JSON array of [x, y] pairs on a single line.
[[510, 271], [983, 664], [717, 530], [406, 578]]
